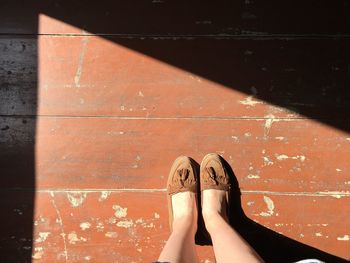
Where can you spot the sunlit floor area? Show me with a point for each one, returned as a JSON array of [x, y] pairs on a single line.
[[93, 115]]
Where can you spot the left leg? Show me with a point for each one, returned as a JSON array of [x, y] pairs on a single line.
[[180, 246]]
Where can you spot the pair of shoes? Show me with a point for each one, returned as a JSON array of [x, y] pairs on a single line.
[[184, 177]]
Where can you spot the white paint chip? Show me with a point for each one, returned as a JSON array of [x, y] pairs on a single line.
[[42, 237], [119, 211], [270, 207], [125, 223], [111, 234], [156, 215], [249, 101], [73, 238], [344, 238], [76, 198], [85, 225], [104, 195], [285, 157], [267, 161]]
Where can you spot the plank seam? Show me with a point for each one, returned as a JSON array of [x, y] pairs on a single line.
[[336, 194], [167, 118], [257, 36]]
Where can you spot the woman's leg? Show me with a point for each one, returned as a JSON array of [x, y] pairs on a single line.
[[180, 246], [228, 245]]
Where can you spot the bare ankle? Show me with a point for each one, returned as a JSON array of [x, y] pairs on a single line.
[[212, 219], [184, 223]]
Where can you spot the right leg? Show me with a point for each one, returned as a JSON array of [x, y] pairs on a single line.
[[228, 245]]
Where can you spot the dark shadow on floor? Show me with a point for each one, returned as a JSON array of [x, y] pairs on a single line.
[[271, 246], [18, 106]]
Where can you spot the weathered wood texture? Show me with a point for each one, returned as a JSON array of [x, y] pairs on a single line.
[[89, 125], [103, 152], [109, 226], [178, 18], [121, 77]]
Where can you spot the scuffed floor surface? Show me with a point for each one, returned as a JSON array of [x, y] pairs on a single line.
[[90, 125]]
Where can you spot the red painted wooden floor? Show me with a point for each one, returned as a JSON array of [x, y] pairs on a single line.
[[91, 123]]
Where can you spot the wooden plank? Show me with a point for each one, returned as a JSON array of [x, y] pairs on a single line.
[[272, 154], [176, 18], [18, 75], [137, 77], [128, 227]]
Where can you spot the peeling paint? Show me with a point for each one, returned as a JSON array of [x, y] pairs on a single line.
[[150, 225], [77, 77], [247, 134], [104, 195], [285, 157], [318, 234], [270, 207], [112, 220], [73, 238], [42, 237], [253, 176], [120, 212], [85, 225], [125, 223], [280, 138], [235, 138], [249, 101], [111, 234], [344, 238], [60, 222], [267, 161], [38, 253], [139, 221], [100, 226], [156, 215], [76, 198]]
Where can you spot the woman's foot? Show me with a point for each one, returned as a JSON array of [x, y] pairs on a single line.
[[215, 187], [182, 194]]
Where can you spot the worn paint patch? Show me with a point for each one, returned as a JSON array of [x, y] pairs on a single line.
[[111, 234], [282, 157], [76, 198], [42, 237], [280, 138], [73, 238], [344, 238], [100, 226], [112, 220], [156, 215], [38, 253], [77, 76], [270, 207], [249, 101], [125, 223], [119, 211], [85, 225], [104, 195], [253, 176], [267, 161]]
